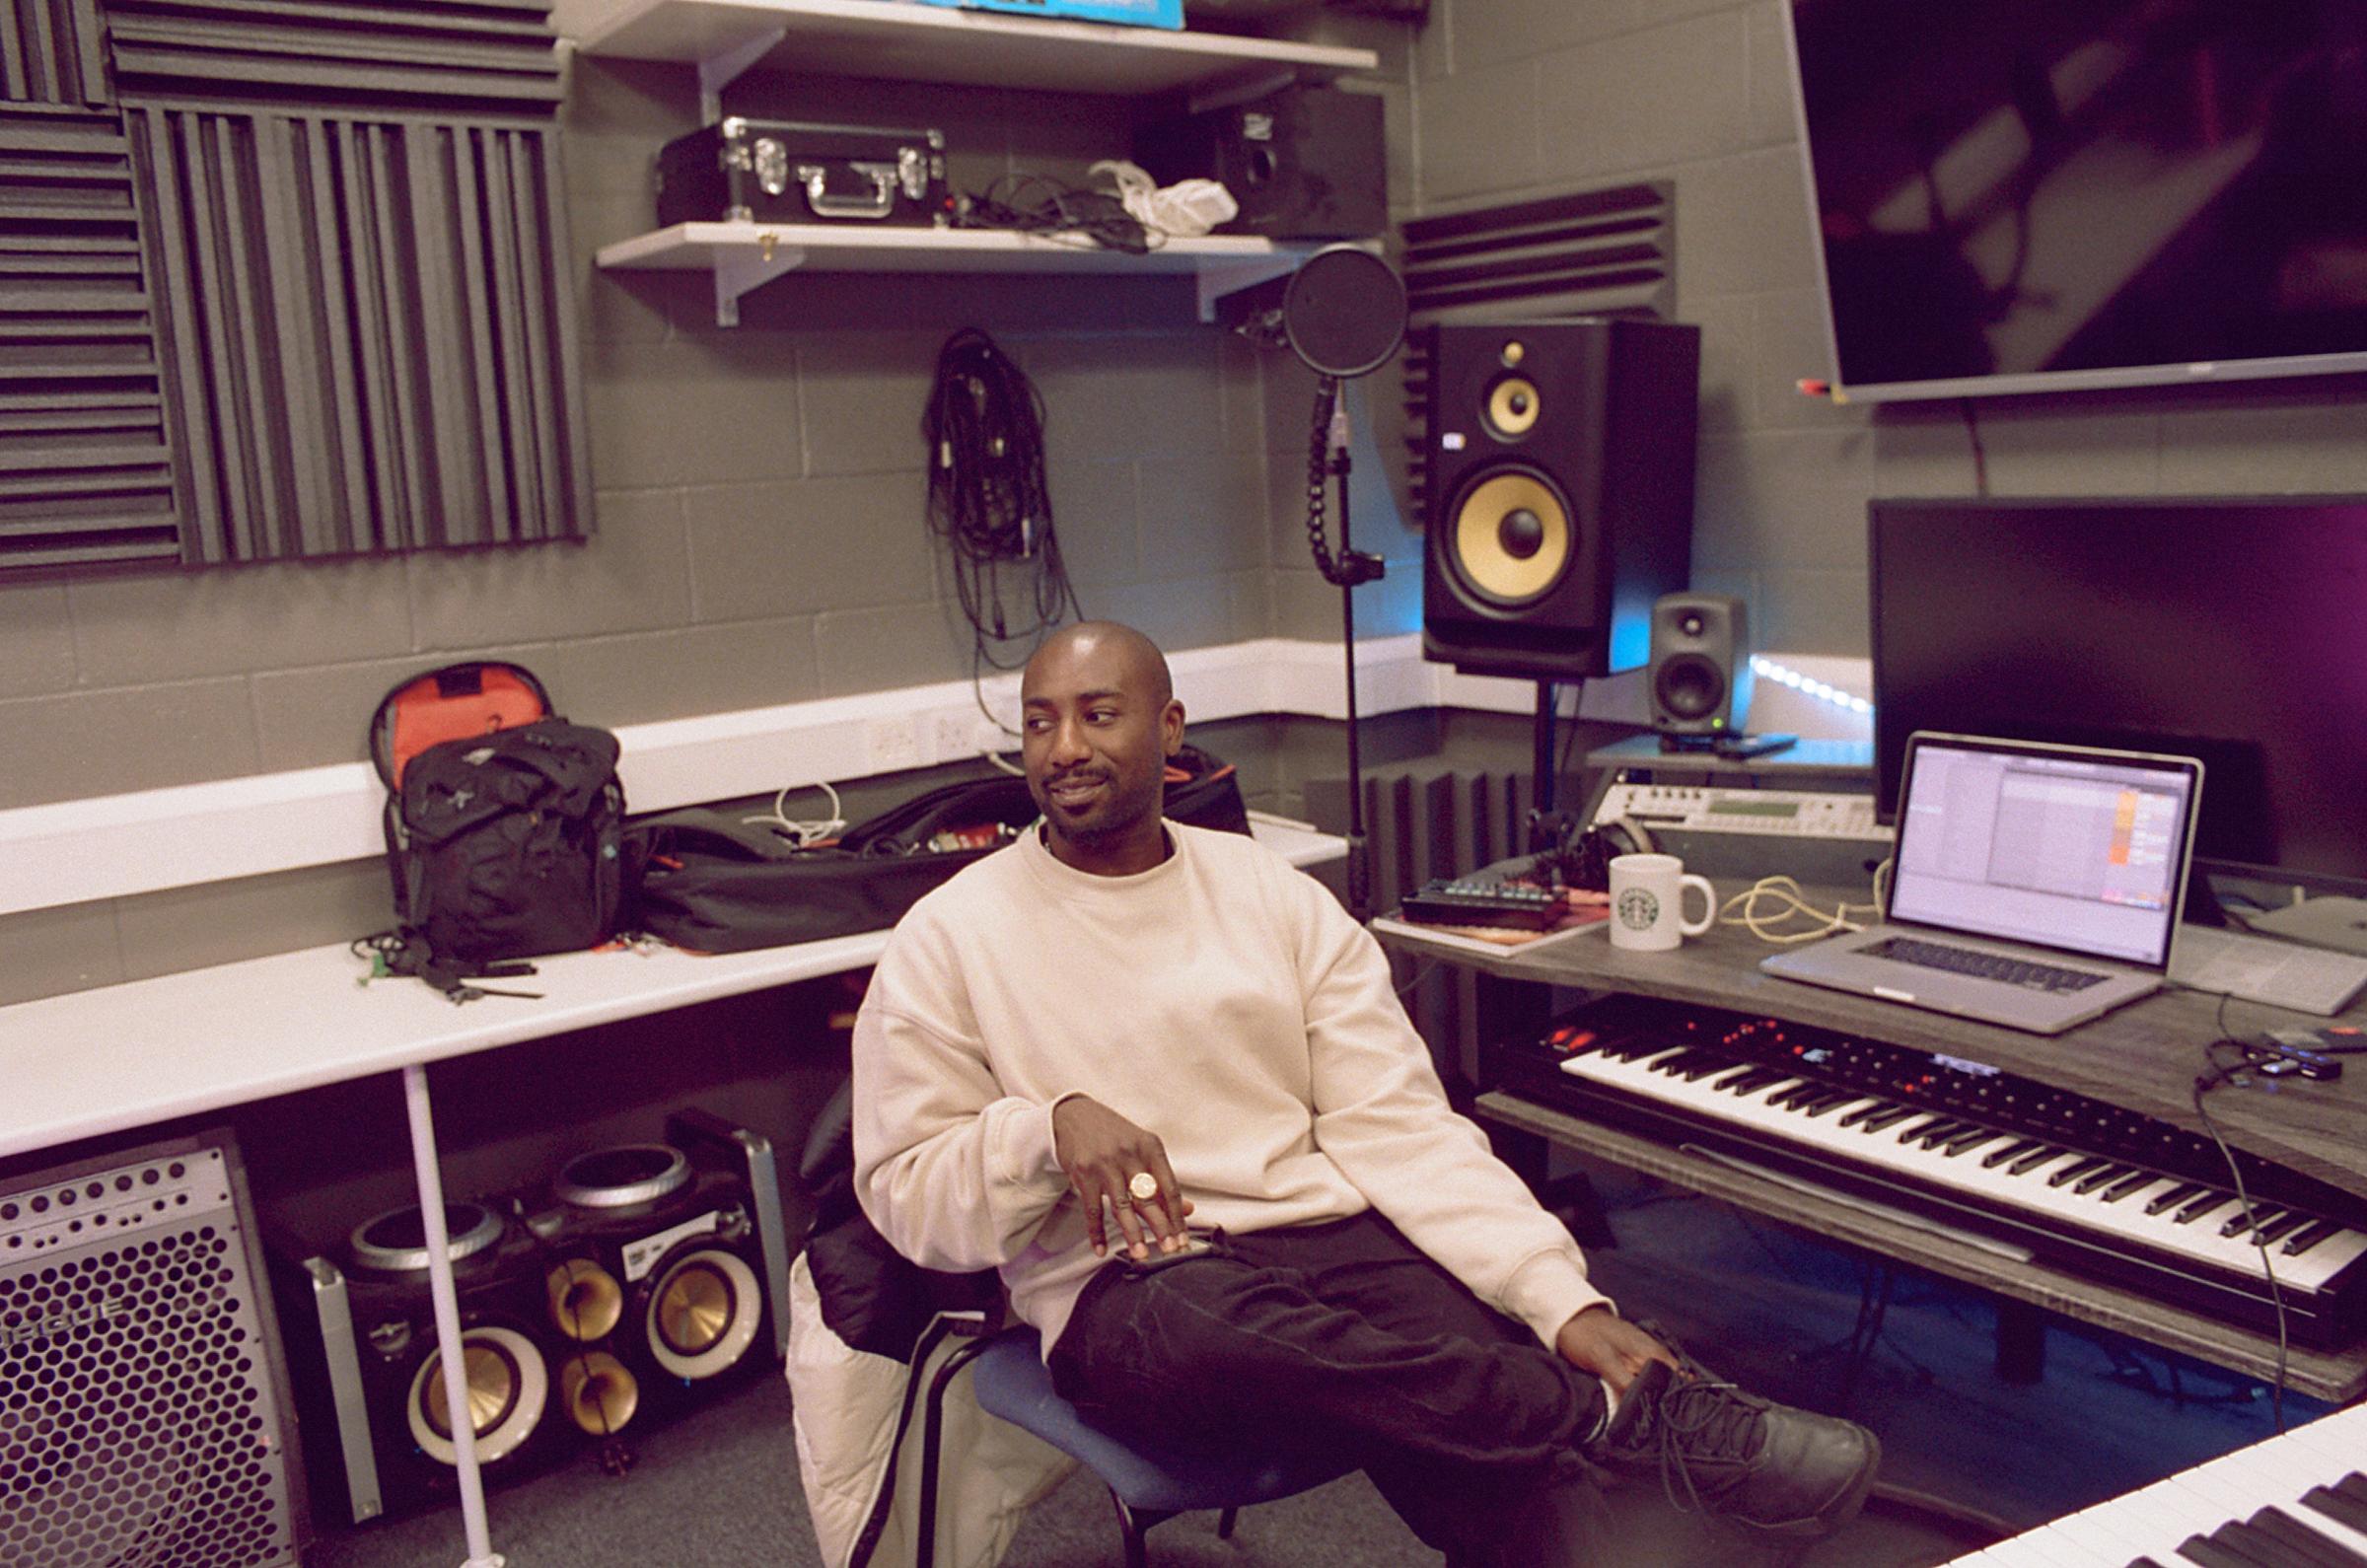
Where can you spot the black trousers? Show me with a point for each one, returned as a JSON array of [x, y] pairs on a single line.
[[1344, 1338]]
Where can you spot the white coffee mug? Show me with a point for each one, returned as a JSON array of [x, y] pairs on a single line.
[[1646, 891]]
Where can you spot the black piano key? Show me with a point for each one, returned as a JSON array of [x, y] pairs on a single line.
[[2209, 1203], [2143, 1562], [1930, 1132], [1865, 1112], [2331, 1502], [2175, 1195], [2296, 1537], [1997, 1157], [1966, 1142], [2244, 1219], [2318, 1231], [1788, 1092], [2100, 1176], [2277, 1229], [1833, 1102], [2354, 1487], [2038, 1156], [2258, 1545], [1924, 1122], [2073, 1171], [1888, 1118], [1735, 1081], [2211, 1554], [2131, 1183], [1752, 1078]]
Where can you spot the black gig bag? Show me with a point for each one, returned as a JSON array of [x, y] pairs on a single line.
[[709, 882]]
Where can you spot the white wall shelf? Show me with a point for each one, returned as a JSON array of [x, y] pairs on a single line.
[[915, 43], [747, 255]]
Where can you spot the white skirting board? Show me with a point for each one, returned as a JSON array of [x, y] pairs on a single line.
[[119, 845]]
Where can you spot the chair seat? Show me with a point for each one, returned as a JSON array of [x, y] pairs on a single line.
[[1009, 1380]]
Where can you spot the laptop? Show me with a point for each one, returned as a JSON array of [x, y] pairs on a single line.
[[2033, 885]]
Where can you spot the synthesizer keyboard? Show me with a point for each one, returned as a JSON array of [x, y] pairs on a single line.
[[2299, 1497], [2090, 1188]]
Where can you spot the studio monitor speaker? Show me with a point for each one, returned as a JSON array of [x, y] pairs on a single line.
[[1558, 469], [1700, 664], [1304, 163], [142, 1415]]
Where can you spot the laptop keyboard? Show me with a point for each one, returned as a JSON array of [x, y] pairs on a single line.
[[1989, 966]]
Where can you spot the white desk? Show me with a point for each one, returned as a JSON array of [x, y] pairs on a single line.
[[123, 1056]]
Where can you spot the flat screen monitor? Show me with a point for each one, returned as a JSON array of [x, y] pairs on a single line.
[[2028, 195], [2230, 630]]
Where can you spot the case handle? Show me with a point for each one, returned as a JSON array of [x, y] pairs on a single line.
[[877, 203]]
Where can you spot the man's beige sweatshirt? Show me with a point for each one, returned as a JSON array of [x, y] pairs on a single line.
[[1222, 1000]]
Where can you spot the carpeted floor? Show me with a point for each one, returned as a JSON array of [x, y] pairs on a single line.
[[1780, 1312]]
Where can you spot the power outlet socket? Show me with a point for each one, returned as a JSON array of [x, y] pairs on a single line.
[[893, 745]]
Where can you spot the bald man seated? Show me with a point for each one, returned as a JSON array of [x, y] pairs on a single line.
[[1159, 1079]]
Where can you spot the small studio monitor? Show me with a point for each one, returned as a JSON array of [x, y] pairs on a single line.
[[1701, 666], [1559, 483]]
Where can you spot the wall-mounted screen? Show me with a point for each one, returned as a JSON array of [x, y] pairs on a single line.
[[2230, 630], [2027, 195]]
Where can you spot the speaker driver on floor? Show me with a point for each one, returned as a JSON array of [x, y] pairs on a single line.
[[598, 1394], [703, 1312], [395, 1243], [507, 1389], [1511, 536], [586, 1302], [622, 1177]]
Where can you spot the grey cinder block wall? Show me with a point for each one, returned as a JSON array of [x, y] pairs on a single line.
[[759, 489]]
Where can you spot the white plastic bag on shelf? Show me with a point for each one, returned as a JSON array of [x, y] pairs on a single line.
[[1184, 210]]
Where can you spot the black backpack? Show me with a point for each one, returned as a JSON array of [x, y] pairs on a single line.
[[503, 822]]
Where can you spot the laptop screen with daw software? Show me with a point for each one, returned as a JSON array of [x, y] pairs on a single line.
[[2059, 846]]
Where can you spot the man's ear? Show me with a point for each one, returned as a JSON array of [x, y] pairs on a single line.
[[1171, 727]]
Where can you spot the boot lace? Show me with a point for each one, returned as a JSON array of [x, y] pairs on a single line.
[[1697, 1420]]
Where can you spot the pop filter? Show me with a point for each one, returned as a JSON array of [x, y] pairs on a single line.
[[1344, 311]]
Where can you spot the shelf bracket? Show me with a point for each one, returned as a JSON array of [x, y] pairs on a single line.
[[1217, 278], [737, 270], [714, 75]]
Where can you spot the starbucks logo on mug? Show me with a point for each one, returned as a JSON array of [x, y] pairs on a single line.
[[1638, 909]]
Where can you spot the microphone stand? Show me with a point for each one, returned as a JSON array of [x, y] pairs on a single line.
[[1350, 569]]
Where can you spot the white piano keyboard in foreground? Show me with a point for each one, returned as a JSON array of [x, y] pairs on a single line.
[[2299, 1498]]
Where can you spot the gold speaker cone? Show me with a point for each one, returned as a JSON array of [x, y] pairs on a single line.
[[703, 1312], [1512, 407], [584, 1299], [1511, 536], [505, 1388], [600, 1394]]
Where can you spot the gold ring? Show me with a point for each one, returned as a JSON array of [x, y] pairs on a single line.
[[1144, 1186]]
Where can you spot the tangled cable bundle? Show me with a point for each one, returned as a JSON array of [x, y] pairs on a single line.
[[988, 496]]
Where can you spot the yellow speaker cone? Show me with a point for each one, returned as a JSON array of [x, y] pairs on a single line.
[[1512, 407], [600, 1394], [504, 1389], [584, 1299], [703, 1313], [1512, 536]]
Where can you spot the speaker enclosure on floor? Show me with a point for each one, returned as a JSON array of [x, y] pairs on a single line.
[[1558, 475], [1701, 678], [363, 1342], [143, 1398]]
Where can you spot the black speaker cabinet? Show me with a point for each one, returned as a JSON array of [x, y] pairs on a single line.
[[1700, 664], [666, 1273], [1306, 163], [1559, 481], [142, 1410], [371, 1378]]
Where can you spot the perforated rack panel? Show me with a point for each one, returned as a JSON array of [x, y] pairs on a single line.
[[141, 1420]]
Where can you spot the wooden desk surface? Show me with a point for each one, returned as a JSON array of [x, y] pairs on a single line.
[[2144, 1056]]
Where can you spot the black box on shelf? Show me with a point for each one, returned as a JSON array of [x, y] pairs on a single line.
[[1306, 163], [775, 170]]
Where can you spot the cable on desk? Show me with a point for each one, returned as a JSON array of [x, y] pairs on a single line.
[[2218, 1071], [1743, 909]]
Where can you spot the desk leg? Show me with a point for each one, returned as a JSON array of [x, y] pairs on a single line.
[[2021, 1342], [448, 1318]]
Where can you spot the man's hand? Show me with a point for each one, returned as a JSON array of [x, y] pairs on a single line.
[[1600, 1341], [1103, 1152]]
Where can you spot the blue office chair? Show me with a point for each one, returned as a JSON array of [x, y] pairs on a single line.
[[1147, 1485]]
